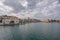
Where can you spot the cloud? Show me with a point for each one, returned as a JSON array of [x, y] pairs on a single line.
[[27, 13], [35, 8], [17, 6], [49, 8], [2, 0], [4, 9], [24, 3]]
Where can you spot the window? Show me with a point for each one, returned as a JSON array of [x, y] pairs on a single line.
[[0, 21], [11, 21]]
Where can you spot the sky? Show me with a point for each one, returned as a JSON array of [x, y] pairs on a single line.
[[41, 9]]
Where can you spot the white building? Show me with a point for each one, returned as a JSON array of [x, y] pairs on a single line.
[[8, 20]]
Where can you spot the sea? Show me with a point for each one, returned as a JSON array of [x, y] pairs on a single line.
[[31, 31]]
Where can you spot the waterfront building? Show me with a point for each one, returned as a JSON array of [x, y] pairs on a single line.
[[8, 20]]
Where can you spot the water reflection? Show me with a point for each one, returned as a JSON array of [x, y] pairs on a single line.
[[8, 32], [32, 31]]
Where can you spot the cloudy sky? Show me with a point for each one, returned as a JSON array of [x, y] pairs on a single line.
[[41, 9]]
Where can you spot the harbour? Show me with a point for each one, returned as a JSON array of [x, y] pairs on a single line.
[[29, 19]]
